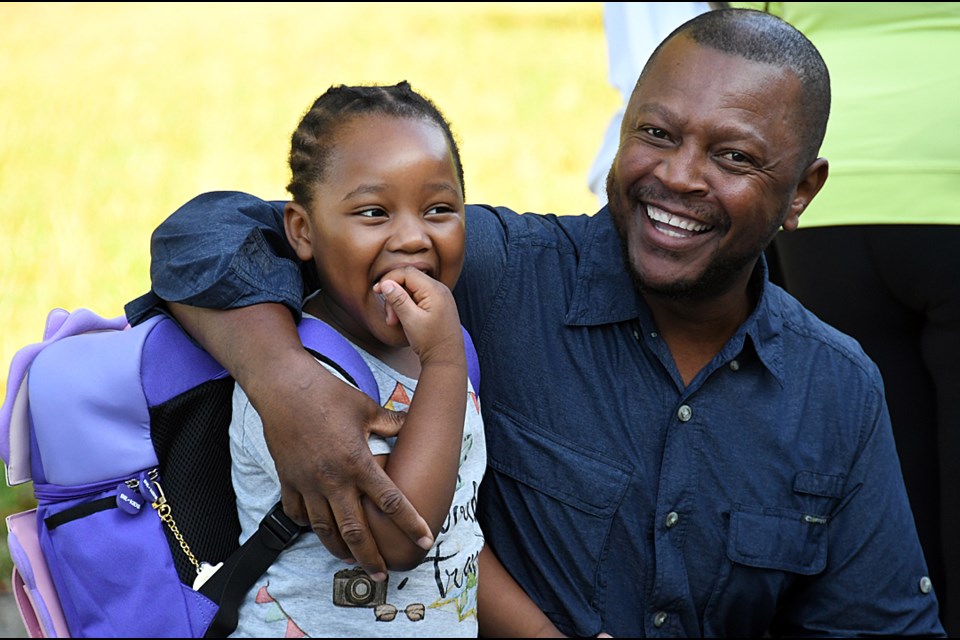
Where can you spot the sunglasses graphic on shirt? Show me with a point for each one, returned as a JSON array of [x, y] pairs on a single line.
[[387, 612]]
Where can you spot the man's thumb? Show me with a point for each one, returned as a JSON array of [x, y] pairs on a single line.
[[387, 423]]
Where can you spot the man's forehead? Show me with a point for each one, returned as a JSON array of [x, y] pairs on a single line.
[[700, 72], [682, 52]]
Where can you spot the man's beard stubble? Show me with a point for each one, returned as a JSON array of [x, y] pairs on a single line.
[[719, 276]]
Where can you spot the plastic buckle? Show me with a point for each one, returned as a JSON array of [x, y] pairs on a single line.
[[281, 529]]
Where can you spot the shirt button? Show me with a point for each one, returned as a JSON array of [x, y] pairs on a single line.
[[636, 335], [684, 413], [659, 618], [925, 585], [734, 365], [672, 519]]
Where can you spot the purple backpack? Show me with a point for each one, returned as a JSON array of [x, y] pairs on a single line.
[[124, 433]]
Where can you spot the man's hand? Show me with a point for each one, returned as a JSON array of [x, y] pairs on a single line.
[[315, 427], [318, 439]]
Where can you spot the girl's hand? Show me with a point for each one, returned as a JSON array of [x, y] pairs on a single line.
[[426, 311]]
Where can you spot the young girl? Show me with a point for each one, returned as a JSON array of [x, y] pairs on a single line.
[[378, 206]]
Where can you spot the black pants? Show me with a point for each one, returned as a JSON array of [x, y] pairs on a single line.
[[896, 289]]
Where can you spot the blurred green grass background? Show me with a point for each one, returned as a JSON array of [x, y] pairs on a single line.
[[113, 115]]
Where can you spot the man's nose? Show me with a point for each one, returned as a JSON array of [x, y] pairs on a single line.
[[683, 170]]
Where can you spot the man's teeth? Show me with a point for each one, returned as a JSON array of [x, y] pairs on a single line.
[[663, 217]]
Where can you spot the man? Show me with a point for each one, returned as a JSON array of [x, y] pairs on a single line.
[[675, 446]]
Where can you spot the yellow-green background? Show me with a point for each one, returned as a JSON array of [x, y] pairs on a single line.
[[113, 115]]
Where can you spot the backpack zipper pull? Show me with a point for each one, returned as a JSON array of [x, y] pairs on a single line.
[[151, 490], [129, 499]]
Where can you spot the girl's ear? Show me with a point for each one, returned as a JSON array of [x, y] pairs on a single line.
[[814, 176], [296, 221]]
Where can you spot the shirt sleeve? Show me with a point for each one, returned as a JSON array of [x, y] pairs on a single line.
[[485, 266], [223, 250], [875, 582]]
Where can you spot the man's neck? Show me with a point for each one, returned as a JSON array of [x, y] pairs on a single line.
[[696, 330]]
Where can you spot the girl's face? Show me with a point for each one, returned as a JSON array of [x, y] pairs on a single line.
[[390, 198]]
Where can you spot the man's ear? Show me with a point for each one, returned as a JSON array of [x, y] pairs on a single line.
[[812, 180], [296, 221]]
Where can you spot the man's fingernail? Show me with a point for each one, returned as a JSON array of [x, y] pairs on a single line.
[[386, 287], [425, 543], [378, 576]]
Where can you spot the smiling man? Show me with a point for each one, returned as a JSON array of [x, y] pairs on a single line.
[[676, 447]]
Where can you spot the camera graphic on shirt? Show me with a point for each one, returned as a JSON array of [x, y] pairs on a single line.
[[354, 588]]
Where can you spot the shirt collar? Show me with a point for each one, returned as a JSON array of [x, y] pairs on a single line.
[[763, 328], [604, 294]]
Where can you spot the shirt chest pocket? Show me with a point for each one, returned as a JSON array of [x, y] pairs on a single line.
[[767, 550], [778, 539], [787, 539], [551, 505], [569, 475]]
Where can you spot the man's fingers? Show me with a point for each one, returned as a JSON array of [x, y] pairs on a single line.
[[293, 506], [318, 517], [354, 532], [391, 501], [324, 476]]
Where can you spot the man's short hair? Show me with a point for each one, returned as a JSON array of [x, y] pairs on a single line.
[[762, 37]]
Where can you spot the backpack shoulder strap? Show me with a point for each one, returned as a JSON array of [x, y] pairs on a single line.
[[473, 362], [326, 344]]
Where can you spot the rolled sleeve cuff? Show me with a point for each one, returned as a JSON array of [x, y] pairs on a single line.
[[254, 274]]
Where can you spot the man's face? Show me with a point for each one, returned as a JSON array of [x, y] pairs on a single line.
[[707, 169]]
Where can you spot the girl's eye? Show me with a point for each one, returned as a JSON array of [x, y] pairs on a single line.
[[440, 209], [372, 213]]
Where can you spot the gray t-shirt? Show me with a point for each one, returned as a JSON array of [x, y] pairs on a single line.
[[309, 592]]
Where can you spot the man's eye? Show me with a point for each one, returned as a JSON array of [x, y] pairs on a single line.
[[655, 132], [736, 156]]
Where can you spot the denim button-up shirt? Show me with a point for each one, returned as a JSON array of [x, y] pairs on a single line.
[[763, 497]]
